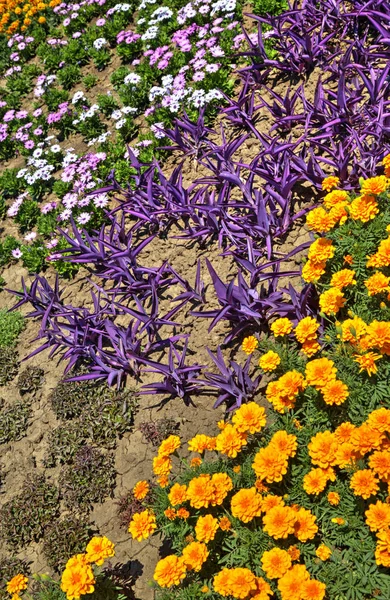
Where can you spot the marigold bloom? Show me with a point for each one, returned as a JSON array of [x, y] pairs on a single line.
[[386, 164], [333, 498], [367, 362], [323, 552], [200, 443], [319, 220], [269, 361], [230, 441], [170, 514], [142, 525], [314, 590], [382, 552], [249, 344], [343, 432], [195, 462], [77, 580], [331, 301], [382, 256], [200, 491], [182, 513], [343, 279], [225, 524], [17, 584], [322, 449], [335, 198], [366, 439], [352, 330], [378, 516], [275, 563], [194, 555], [242, 582], [98, 549], [375, 185], [379, 335], [263, 590], [279, 522], [319, 372], [294, 552], [270, 465], [311, 272], [306, 330], [206, 528], [282, 393], [270, 501], [364, 208], [330, 182], [346, 455], [141, 490], [335, 392], [246, 504], [338, 520], [162, 465], [315, 481], [222, 485], [221, 582], [364, 483], [282, 326], [379, 462], [249, 418], [305, 527], [377, 284], [169, 446], [310, 348], [177, 494], [292, 584], [321, 250], [170, 571], [284, 443], [380, 420]]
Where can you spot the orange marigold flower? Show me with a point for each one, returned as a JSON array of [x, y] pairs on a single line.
[[292, 584], [382, 552], [279, 522], [225, 524], [242, 582], [386, 163], [76, 581], [379, 462], [170, 571], [249, 344], [285, 443], [310, 348], [141, 490], [346, 455], [338, 520], [364, 208], [275, 563], [315, 481], [380, 420], [205, 589], [375, 185], [330, 182], [249, 418], [163, 481], [200, 491], [366, 439], [200, 443], [323, 552], [270, 465], [221, 582], [170, 514], [194, 555], [98, 549], [378, 516], [311, 272], [177, 494], [142, 525], [322, 449], [343, 432], [282, 326], [162, 465], [333, 498], [335, 392], [379, 334], [294, 553], [319, 372], [382, 256], [334, 198], [269, 361], [348, 259], [352, 330], [263, 590], [260, 486], [321, 250], [377, 284], [222, 485], [343, 278], [305, 527], [183, 513], [169, 446], [271, 501], [306, 330], [230, 441], [246, 504], [314, 590], [195, 462], [319, 220], [206, 528], [367, 362], [237, 469], [17, 584], [364, 483], [331, 301], [281, 393], [339, 213]]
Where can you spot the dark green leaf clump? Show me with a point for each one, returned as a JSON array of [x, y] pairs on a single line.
[[91, 478], [65, 538], [25, 518], [14, 421], [30, 380], [9, 567], [11, 325], [9, 365], [156, 431]]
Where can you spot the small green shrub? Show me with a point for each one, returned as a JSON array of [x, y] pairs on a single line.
[[30, 380], [69, 398], [25, 517], [11, 325], [9, 365], [90, 81], [64, 538], [14, 421], [64, 442], [91, 478]]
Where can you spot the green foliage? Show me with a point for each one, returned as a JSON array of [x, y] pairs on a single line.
[[69, 76], [9, 567], [6, 247], [14, 420], [34, 257], [11, 325], [90, 478], [27, 215], [64, 538], [10, 185], [9, 365], [90, 81], [30, 381], [26, 517]]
